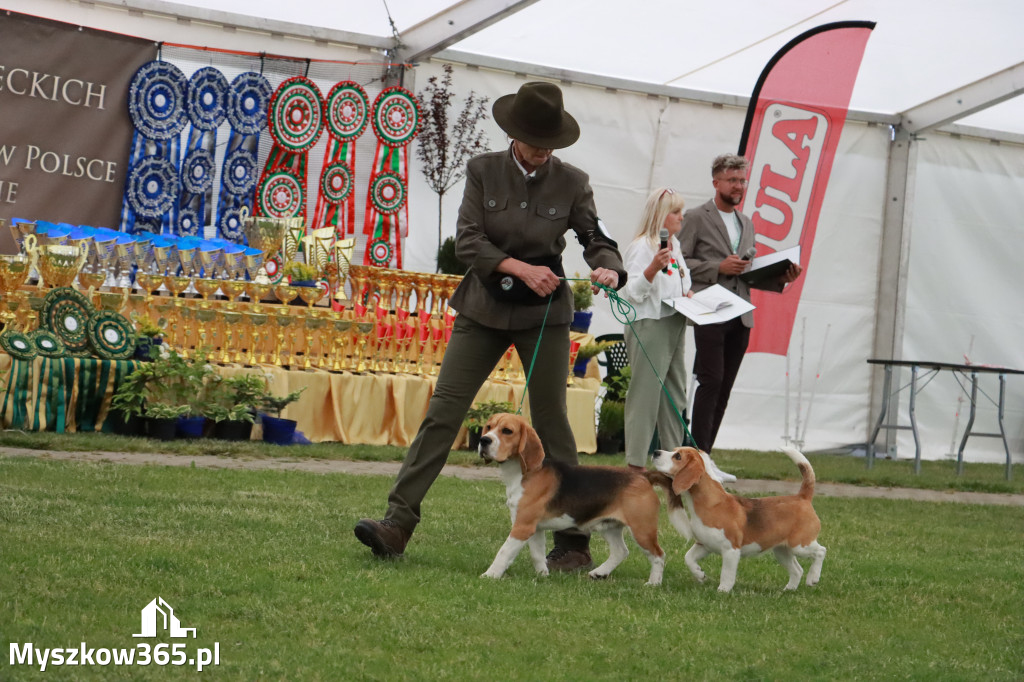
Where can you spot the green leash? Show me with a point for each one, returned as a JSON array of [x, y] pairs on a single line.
[[619, 307]]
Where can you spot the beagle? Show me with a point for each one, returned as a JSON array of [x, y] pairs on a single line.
[[734, 526], [548, 495]]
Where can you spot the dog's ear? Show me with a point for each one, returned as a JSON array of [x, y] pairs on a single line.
[[691, 472], [531, 452]]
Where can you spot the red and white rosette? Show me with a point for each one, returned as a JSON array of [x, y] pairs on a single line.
[[395, 116], [281, 194], [346, 115], [380, 252], [296, 121], [347, 111], [387, 192], [296, 114]]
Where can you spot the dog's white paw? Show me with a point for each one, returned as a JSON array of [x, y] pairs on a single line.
[[653, 584], [543, 572], [594, 575], [493, 575]]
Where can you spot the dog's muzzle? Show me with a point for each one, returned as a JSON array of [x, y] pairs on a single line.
[[484, 447]]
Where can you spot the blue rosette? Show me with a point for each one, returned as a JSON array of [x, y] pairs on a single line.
[[156, 100], [248, 101], [207, 98]]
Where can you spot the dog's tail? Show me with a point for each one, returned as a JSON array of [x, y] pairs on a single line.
[[807, 486], [665, 481]]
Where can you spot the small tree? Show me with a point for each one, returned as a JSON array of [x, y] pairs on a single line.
[[442, 149]]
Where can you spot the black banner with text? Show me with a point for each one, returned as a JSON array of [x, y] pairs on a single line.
[[65, 131]]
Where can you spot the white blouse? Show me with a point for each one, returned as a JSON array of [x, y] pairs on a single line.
[[646, 296]]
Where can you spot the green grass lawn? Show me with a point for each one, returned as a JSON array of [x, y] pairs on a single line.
[[264, 564]]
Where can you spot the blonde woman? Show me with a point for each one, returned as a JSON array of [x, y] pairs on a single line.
[[655, 273]]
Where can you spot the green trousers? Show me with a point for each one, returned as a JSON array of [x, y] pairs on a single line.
[[472, 353]]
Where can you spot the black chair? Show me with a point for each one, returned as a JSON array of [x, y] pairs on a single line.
[[613, 359]]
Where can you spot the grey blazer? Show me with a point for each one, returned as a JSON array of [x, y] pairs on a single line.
[[704, 241], [502, 216]]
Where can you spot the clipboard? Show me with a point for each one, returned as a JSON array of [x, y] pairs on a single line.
[[771, 266]]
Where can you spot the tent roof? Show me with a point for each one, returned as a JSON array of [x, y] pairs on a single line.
[[919, 51]]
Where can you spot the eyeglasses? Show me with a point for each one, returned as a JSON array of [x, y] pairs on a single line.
[[666, 191]]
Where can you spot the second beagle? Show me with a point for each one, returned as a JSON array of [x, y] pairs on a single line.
[[735, 526], [547, 495]]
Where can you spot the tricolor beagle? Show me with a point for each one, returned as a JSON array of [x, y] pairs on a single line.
[[734, 526], [547, 495]]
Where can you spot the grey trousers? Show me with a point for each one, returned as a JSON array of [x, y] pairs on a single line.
[[472, 353], [646, 402]]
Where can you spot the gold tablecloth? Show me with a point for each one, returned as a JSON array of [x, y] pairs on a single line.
[[386, 409], [73, 394]]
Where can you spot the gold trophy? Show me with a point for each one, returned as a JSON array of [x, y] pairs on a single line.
[[295, 231], [256, 322], [257, 292], [362, 330], [286, 293], [265, 234], [232, 320], [59, 265], [19, 231], [318, 248], [360, 278], [311, 325], [343, 250], [340, 345], [282, 320], [311, 296], [14, 269]]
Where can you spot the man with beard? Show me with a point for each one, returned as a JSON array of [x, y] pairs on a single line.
[[714, 238]]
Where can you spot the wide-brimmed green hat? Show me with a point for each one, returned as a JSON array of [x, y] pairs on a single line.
[[535, 115]]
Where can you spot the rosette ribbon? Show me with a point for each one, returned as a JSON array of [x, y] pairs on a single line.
[[395, 117], [248, 100], [156, 105], [346, 115], [207, 108], [296, 123]]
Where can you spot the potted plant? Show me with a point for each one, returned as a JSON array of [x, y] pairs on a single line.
[[275, 429], [162, 420], [300, 274], [231, 404], [149, 336], [611, 416], [586, 352], [582, 300], [611, 426], [477, 416], [168, 388]]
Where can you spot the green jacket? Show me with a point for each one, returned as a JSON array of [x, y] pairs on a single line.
[[503, 216]]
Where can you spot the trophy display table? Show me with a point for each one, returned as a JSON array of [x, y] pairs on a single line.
[[74, 394]]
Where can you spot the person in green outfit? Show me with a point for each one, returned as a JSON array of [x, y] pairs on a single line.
[[517, 206]]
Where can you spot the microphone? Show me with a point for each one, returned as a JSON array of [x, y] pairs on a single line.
[[663, 236], [751, 252]]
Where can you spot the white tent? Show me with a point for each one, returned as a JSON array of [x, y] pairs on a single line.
[[914, 256]]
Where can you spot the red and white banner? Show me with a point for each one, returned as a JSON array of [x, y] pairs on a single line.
[[794, 121]]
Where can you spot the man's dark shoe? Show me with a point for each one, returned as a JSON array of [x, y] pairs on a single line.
[[386, 538], [564, 560]]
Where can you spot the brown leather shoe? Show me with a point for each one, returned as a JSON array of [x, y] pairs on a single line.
[[386, 538], [563, 560]]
